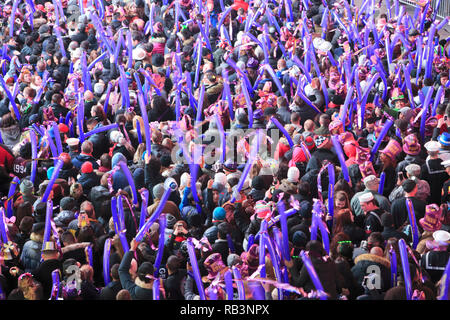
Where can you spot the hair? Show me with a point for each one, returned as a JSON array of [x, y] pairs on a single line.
[[67, 236], [115, 271], [375, 237], [341, 236], [100, 114], [86, 234], [87, 147], [343, 186], [105, 161], [25, 209], [342, 218], [123, 295], [173, 263], [87, 273], [342, 194], [295, 117], [223, 229], [89, 208]]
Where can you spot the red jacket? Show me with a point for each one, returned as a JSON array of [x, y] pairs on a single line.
[[6, 159]]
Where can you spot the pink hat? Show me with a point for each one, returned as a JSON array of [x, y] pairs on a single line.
[[392, 150], [432, 220], [214, 265], [262, 209], [411, 145], [367, 169]]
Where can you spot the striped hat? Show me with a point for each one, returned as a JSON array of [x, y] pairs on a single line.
[[262, 209], [392, 150], [411, 145]]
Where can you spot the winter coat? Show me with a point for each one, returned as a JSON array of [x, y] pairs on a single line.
[[88, 181], [364, 264], [31, 253], [137, 289], [82, 158]]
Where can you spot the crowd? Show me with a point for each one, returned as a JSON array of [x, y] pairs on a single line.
[[108, 109]]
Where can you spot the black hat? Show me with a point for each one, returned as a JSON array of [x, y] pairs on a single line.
[[67, 203], [305, 209], [387, 220], [299, 239], [408, 185]]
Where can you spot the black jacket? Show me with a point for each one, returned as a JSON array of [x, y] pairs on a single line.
[[362, 267], [43, 274], [110, 291]]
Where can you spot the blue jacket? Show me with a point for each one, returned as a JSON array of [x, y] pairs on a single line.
[[119, 178], [82, 158], [31, 253]]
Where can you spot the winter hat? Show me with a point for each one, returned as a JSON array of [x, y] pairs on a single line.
[[99, 88], [221, 178], [26, 187], [158, 190], [170, 221], [214, 265], [262, 209], [219, 214], [233, 259], [444, 139], [184, 179], [299, 239], [67, 203], [87, 167], [293, 174]]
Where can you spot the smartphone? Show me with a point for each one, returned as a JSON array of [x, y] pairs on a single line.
[[400, 176]]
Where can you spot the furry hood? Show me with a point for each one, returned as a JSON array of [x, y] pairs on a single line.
[[36, 237], [142, 284], [373, 258]]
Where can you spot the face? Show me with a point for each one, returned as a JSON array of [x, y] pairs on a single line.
[[365, 206], [340, 203], [215, 196], [37, 80], [27, 77], [399, 104], [444, 80], [370, 127]]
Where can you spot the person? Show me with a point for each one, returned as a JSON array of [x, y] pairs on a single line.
[[142, 287], [51, 262], [399, 210], [435, 260], [387, 221], [174, 284], [372, 214], [371, 184], [112, 289], [433, 171]]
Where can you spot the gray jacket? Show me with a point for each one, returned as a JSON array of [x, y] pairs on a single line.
[[383, 202]]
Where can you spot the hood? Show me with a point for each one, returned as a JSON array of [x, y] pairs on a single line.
[[373, 258], [36, 237], [117, 158]]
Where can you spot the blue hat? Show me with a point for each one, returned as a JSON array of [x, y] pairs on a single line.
[[219, 214], [444, 139], [50, 172]]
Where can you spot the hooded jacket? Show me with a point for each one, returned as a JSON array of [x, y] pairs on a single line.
[[81, 158], [119, 179], [364, 264], [31, 252]]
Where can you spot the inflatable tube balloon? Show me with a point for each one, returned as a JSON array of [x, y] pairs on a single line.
[[55, 174], [170, 185], [101, 129], [405, 267], [244, 175], [3, 228], [331, 182], [195, 269], [250, 241], [283, 130], [248, 101], [382, 181], [144, 203], [89, 255], [106, 259], [393, 259], [275, 262], [317, 223], [313, 275], [55, 285], [228, 278], [239, 283], [424, 116], [340, 154], [48, 218], [155, 287], [162, 234], [387, 125], [412, 222], [284, 230], [445, 282], [127, 173], [116, 219], [33, 156], [437, 100], [12, 190]]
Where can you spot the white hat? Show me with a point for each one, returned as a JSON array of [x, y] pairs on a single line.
[[221, 178], [139, 53], [321, 44], [446, 163], [72, 141], [115, 136], [366, 197], [432, 146], [184, 180], [293, 174], [367, 180], [77, 53], [99, 88], [441, 236]]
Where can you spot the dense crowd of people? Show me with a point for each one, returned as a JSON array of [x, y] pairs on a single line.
[[111, 111]]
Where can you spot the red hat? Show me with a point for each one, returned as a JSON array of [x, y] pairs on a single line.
[[87, 167], [63, 128], [309, 142]]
